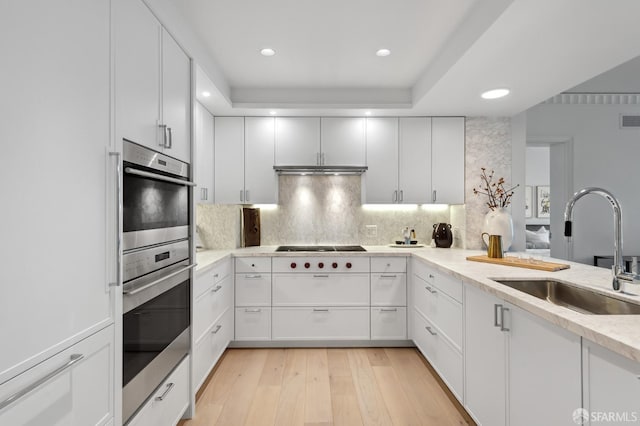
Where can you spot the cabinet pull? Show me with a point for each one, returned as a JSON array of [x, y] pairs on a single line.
[[216, 275], [431, 276], [246, 195], [433, 333], [320, 276], [496, 308], [163, 128], [431, 290], [73, 359], [218, 327], [203, 194], [253, 311], [253, 276], [389, 310], [434, 196], [216, 289], [118, 281], [241, 195], [389, 276], [320, 310], [166, 392], [395, 196], [170, 138], [502, 327], [401, 195]]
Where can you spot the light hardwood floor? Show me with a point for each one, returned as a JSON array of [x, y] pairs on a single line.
[[280, 387]]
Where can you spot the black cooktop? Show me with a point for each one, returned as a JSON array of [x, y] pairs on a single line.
[[320, 248]]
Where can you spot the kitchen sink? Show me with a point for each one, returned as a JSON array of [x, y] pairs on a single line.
[[575, 298]]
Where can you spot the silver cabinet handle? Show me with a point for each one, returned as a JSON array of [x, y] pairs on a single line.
[[389, 276], [502, 327], [216, 289], [496, 308], [158, 281], [73, 359], [320, 310], [395, 196], [156, 176], [431, 290], [118, 282], [203, 193], [253, 311], [170, 138], [433, 333], [218, 327], [216, 275], [389, 310], [246, 195], [163, 142], [251, 277], [401, 195], [320, 276], [431, 276], [434, 196], [241, 195], [165, 393]]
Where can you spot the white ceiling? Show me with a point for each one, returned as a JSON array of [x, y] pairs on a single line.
[[444, 53]]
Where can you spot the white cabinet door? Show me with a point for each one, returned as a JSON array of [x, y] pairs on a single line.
[[321, 323], [544, 366], [447, 162], [485, 358], [260, 180], [204, 155], [137, 76], [381, 178], [176, 98], [389, 323], [611, 385], [253, 323], [80, 393], [297, 141], [343, 141], [55, 136], [414, 168], [229, 160]]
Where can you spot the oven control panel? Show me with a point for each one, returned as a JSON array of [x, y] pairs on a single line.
[[141, 262]]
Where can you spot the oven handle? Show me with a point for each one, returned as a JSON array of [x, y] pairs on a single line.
[[142, 173], [152, 283]]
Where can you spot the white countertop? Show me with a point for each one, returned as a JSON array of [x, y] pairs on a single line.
[[619, 333]]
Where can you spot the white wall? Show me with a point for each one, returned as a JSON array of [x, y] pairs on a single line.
[[538, 164], [604, 156]]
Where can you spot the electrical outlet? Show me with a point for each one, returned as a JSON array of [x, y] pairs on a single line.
[[372, 230]]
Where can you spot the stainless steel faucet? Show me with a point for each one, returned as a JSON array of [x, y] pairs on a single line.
[[618, 268]]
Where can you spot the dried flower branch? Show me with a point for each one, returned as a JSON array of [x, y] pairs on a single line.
[[498, 196]]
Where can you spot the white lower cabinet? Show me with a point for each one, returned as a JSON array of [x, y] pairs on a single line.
[[389, 323], [211, 305], [321, 289], [611, 386], [210, 347], [253, 323], [167, 404], [253, 298], [321, 323], [74, 387]]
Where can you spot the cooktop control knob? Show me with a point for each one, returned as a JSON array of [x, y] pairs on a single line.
[[307, 265], [293, 265], [334, 265], [320, 265], [348, 265]]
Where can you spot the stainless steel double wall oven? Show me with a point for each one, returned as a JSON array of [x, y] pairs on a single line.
[[156, 270]]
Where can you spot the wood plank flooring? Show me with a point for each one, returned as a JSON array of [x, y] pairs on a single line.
[[313, 387]]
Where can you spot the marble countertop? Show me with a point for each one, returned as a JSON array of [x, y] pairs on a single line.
[[619, 333]]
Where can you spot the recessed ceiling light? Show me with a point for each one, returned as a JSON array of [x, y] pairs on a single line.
[[367, 113], [495, 93], [383, 52], [206, 94], [272, 112], [267, 52]]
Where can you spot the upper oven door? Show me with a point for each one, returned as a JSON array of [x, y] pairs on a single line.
[[155, 198]]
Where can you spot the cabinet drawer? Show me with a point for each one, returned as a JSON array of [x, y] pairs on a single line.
[[447, 284], [388, 264], [440, 353], [253, 323], [211, 305], [389, 323], [321, 264], [389, 289], [209, 349], [253, 264], [321, 289], [253, 289], [81, 394], [211, 276], [443, 311], [167, 404], [321, 323]]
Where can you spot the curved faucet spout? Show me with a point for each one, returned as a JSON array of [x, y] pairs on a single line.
[[618, 264]]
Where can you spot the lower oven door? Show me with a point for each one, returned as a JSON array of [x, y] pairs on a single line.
[[156, 335]]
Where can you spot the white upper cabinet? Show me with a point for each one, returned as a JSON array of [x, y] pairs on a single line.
[[152, 83], [297, 141], [243, 169], [229, 160], [342, 141], [447, 163], [55, 137], [260, 180], [382, 160], [398, 160], [203, 139]]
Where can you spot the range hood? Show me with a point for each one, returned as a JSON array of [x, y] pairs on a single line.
[[320, 170]]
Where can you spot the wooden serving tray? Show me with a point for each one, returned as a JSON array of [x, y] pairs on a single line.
[[521, 263]]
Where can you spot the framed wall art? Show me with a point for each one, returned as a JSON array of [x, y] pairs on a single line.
[[543, 202]]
